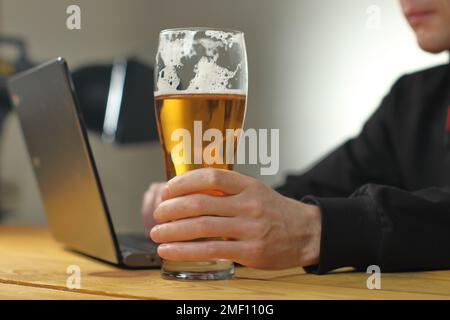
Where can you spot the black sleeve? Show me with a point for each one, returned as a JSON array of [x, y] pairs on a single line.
[[385, 226], [380, 223]]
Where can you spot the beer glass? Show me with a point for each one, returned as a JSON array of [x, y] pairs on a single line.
[[200, 97]]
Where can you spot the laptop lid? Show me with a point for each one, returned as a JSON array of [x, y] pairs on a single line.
[[62, 160]]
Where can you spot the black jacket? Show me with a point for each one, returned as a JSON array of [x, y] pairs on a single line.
[[385, 195]]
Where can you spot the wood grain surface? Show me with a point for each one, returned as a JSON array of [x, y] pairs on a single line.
[[33, 266]]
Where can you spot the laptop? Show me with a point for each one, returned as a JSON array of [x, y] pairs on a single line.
[[71, 191]]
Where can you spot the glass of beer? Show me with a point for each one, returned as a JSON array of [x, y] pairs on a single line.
[[200, 101]]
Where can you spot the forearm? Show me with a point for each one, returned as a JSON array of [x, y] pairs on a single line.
[[311, 235]]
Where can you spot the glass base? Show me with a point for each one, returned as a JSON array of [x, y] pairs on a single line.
[[208, 270]]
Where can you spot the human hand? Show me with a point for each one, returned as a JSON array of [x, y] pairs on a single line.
[[150, 201], [263, 228]]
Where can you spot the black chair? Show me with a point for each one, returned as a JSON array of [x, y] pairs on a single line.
[[117, 100]]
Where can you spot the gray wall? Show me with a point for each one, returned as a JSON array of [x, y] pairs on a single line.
[[317, 71]]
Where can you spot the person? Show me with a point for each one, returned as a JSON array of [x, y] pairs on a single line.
[[382, 198]]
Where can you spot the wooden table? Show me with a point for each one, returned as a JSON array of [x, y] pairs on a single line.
[[33, 266]]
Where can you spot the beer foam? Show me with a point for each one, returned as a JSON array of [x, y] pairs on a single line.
[[161, 93], [227, 38], [209, 76]]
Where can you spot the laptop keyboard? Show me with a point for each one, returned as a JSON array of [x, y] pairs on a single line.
[[136, 243]]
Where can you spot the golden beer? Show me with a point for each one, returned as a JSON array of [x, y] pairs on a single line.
[[214, 111]]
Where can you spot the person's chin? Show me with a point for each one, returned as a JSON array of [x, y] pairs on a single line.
[[430, 43]]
